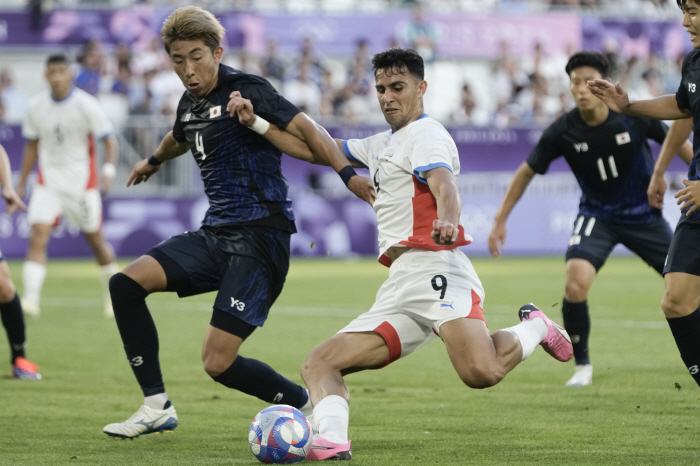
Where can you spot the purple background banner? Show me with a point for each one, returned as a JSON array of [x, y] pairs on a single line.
[[332, 222], [460, 35], [637, 38]]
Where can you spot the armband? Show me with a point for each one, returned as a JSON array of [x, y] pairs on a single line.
[[109, 170], [346, 173], [260, 125], [152, 160]]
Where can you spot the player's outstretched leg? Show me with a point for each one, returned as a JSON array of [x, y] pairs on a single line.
[[140, 338], [226, 366], [557, 342]]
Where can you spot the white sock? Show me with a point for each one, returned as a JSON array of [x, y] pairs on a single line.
[[33, 275], [332, 415], [156, 401], [106, 272], [530, 333]]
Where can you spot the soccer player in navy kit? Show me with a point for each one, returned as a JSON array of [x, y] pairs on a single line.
[[682, 270], [242, 249], [10, 307], [609, 154]]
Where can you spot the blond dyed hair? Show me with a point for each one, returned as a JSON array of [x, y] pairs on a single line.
[[192, 23]]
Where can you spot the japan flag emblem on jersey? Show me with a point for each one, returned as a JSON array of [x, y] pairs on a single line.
[[215, 111], [622, 138]]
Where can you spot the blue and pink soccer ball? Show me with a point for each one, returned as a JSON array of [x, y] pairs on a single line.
[[280, 434]]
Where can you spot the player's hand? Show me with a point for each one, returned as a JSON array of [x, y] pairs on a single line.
[[12, 200], [142, 172], [497, 239], [656, 191], [242, 107], [363, 188], [614, 96], [689, 197], [444, 233], [105, 184]]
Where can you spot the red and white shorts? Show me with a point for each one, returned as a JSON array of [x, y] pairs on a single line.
[[82, 209], [424, 290]]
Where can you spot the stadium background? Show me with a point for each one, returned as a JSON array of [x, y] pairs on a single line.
[[496, 78]]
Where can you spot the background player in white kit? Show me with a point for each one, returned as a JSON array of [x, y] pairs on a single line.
[[61, 128], [432, 288]]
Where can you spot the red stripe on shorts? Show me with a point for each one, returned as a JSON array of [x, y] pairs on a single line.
[[393, 342], [477, 311]]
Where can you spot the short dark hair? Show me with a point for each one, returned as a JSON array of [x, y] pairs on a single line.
[[57, 58], [401, 61], [590, 58], [682, 4]]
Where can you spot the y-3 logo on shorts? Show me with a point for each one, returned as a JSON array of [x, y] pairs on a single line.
[[448, 305], [240, 305]]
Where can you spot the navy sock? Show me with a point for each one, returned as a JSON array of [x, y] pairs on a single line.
[[577, 323], [13, 321], [686, 331], [256, 378], [138, 332]]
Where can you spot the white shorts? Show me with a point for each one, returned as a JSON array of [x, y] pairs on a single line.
[[424, 290], [82, 209]]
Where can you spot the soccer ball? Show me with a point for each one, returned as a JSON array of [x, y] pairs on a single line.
[[280, 434]]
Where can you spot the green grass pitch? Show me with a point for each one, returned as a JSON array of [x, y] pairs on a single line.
[[642, 409]]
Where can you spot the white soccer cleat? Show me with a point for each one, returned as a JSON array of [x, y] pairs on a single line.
[[144, 421], [582, 377], [30, 309]]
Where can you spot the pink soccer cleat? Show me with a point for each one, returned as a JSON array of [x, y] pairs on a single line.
[[322, 449], [557, 342], [25, 370]]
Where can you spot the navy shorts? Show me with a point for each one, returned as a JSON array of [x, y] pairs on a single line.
[[246, 264], [594, 240], [684, 253]]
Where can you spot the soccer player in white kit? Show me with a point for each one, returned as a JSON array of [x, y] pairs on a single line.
[[61, 128], [432, 290]]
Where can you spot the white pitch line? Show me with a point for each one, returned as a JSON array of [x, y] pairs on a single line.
[[499, 316]]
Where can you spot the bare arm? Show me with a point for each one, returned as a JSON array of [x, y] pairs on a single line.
[[12, 200], [304, 139], [676, 142], [29, 158], [168, 149], [616, 98], [449, 206], [522, 178]]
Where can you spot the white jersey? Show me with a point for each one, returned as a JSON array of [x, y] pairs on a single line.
[[67, 131], [405, 206]]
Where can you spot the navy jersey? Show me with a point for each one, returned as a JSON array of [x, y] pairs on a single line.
[[688, 98], [612, 163], [241, 170]]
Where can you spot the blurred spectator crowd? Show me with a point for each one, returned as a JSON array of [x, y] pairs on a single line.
[[632, 8], [529, 90]]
